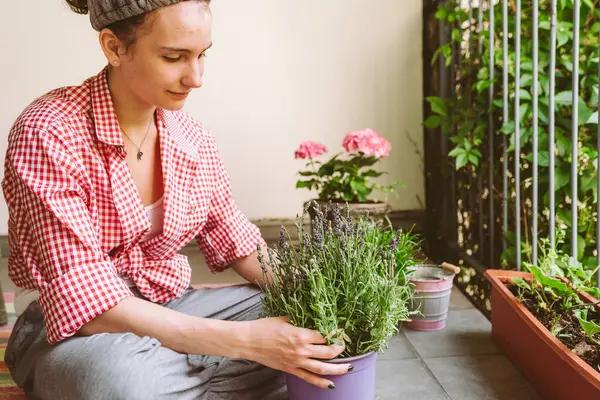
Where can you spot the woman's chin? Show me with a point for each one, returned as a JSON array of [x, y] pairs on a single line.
[[172, 105]]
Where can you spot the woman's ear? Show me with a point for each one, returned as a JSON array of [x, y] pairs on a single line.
[[111, 46]]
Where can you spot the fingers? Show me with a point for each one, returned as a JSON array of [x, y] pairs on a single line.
[[323, 368], [325, 352], [306, 335], [311, 378], [310, 336]]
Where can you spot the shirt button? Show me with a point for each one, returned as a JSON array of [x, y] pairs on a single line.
[[192, 211], [119, 149]]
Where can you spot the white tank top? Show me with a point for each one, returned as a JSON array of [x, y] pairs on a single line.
[[155, 212]]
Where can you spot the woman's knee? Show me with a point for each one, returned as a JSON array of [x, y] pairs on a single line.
[[105, 366]]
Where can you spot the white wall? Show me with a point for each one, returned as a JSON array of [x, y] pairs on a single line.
[[280, 72]]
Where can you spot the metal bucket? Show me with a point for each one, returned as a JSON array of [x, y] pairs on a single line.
[[433, 286]]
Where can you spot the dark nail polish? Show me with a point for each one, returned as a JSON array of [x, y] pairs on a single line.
[[351, 368], [332, 386]]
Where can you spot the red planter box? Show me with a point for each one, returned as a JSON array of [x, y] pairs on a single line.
[[551, 368]]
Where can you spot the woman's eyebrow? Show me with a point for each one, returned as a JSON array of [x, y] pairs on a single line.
[[180, 49]]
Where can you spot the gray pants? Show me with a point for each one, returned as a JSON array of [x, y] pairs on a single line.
[[125, 366]]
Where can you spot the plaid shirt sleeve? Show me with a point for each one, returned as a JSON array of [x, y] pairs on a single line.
[[50, 221], [229, 235]]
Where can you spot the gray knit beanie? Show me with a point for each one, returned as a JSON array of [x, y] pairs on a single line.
[[105, 12]]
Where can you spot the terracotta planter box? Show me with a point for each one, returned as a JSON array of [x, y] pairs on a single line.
[[551, 368]]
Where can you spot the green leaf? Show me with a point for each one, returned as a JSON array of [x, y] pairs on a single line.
[[522, 283], [584, 112], [556, 284], [561, 178], [562, 37], [437, 105], [306, 173], [524, 111], [305, 184], [456, 35], [593, 119], [588, 182], [461, 160], [372, 173], [526, 80], [524, 94], [590, 328], [564, 98], [543, 159], [441, 13], [580, 247], [481, 86], [473, 159], [434, 121], [508, 127], [456, 152], [483, 74], [563, 145], [543, 114], [358, 187]]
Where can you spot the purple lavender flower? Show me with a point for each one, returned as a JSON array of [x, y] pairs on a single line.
[[318, 235], [393, 246], [305, 239], [337, 220], [261, 258], [343, 243], [349, 226], [282, 239], [317, 229]]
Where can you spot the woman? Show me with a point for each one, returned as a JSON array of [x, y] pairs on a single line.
[[105, 182]]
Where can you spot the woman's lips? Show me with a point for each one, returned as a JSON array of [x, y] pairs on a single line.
[[178, 95]]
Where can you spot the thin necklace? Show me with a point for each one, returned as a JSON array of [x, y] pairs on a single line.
[[140, 153]]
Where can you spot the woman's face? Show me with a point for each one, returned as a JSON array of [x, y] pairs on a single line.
[[166, 61]]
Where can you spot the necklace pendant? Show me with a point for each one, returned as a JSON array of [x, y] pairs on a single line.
[[139, 155]]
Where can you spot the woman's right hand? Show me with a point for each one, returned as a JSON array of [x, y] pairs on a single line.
[[276, 343]]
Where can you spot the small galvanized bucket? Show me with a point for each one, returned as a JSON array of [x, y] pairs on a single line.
[[433, 285]]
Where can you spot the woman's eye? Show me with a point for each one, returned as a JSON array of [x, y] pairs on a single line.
[[171, 59], [203, 55]]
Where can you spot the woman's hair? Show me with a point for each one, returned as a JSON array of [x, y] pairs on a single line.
[[126, 30]]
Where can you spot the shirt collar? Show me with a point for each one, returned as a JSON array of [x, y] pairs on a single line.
[[105, 119], [107, 126]]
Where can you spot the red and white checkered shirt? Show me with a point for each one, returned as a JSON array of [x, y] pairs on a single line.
[[76, 218]]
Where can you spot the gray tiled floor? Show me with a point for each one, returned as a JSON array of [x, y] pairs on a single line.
[[459, 362]]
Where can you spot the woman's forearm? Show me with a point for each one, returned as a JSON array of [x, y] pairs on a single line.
[[180, 332], [249, 268]]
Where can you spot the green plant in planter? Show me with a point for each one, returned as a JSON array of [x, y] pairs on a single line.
[[346, 279], [463, 116], [345, 177], [557, 303]]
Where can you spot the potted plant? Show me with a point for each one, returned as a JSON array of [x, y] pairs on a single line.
[[346, 177], [347, 279], [546, 321]]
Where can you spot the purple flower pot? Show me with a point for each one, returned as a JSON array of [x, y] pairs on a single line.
[[356, 385]]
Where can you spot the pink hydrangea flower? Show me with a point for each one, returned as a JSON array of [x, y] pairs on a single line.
[[310, 149], [368, 142]]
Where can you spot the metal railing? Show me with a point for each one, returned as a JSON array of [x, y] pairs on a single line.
[[461, 226]]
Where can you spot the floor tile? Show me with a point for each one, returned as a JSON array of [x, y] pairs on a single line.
[[399, 348], [458, 301], [487, 377], [406, 379], [467, 332]]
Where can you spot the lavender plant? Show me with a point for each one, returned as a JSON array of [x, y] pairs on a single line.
[[345, 278]]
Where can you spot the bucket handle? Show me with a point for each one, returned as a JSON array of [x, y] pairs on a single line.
[[450, 267]]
